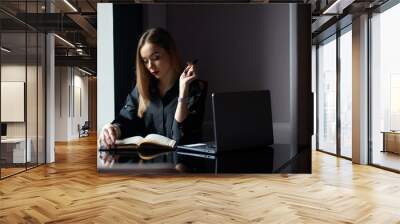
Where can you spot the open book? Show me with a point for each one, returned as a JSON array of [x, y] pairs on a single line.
[[150, 141]]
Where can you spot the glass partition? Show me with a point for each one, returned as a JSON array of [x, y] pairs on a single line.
[[22, 64], [31, 100], [32, 87], [14, 152], [41, 91]]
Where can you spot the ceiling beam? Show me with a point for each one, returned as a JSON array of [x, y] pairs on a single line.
[[83, 61], [85, 25]]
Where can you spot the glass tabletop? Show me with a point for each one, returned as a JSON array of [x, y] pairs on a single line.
[[272, 159]]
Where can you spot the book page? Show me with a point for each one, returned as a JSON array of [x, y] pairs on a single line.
[[135, 140], [159, 140]]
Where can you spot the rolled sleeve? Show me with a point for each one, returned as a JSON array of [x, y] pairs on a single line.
[[190, 129]]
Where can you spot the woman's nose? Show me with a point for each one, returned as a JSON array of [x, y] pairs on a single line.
[[150, 64]]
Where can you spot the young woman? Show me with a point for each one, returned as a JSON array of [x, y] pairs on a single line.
[[165, 101]]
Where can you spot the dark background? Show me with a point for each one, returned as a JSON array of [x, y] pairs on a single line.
[[239, 47], [128, 27]]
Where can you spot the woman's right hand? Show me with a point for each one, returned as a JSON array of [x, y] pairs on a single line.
[[108, 136], [107, 160], [188, 75]]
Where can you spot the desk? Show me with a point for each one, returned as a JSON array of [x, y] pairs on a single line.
[[13, 150], [273, 159], [391, 141]]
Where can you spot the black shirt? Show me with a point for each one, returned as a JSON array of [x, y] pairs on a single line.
[[159, 116]]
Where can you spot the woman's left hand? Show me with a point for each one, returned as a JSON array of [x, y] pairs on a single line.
[[187, 76]]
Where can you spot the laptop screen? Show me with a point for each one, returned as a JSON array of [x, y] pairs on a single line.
[[3, 129], [242, 119]]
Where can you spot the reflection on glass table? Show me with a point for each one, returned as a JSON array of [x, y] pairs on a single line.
[[274, 159]]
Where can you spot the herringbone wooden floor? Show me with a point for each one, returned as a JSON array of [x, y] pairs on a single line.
[[71, 191]]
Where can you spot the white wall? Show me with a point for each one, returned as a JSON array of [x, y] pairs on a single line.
[[61, 105], [17, 72], [14, 72], [69, 81], [80, 83]]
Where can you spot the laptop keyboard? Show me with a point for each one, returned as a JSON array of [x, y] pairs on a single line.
[[211, 145]]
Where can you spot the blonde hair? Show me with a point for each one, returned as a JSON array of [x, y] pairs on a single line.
[[163, 39]]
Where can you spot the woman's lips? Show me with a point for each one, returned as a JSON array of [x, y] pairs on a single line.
[[155, 72]]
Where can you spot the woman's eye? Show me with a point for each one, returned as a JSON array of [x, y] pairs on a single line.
[[155, 57]]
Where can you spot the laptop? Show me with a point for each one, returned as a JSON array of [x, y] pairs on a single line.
[[241, 120], [3, 131]]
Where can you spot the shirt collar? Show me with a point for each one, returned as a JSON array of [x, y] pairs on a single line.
[[172, 92]]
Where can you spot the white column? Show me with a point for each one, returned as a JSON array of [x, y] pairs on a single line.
[[50, 100], [50, 92], [105, 65], [360, 90]]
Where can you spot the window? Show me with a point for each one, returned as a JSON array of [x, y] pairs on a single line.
[[335, 74], [385, 87], [346, 93], [327, 96]]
